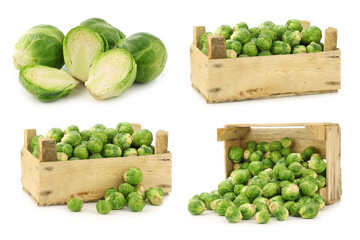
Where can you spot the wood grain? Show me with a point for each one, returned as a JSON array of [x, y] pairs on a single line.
[[216, 47], [330, 42], [305, 24], [161, 142], [28, 135], [197, 32], [47, 150]]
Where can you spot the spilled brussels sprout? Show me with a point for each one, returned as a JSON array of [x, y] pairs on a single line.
[[210, 198], [247, 211], [103, 207], [262, 217], [196, 207], [280, 213], [117, 200], [125, 189], [133, 176], [154, 196], [136, 204], [75, 205], [309, 210], [225, 187], [109, 191], [233, 214]]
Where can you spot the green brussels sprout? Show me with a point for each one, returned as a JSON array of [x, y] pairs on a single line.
[[125, 189], [294, 24], [258, 182], [285, 152], [260, 206], [203, 39], [110, 191], [319, 200], [233, 214], [236, 154], [149, 53], [309, 210], [95, 156], [277, 199], [110, 132], [278, 168], [308, 179], [55, 133], [286, 175], [104, 29], [225, 187], [265, 53], [280, 47], [293, 157], [311, 34], [73, 138], [231, 53], [234, 45], [270, 190], [242, 35], [264, 42], [295, 208], [74, 158], [305, 200], [247, 211], [134, 194], [256, 156], [145, 150], [262, 217], [270, 32], [136, 204], [230, 196], [154, 196], [195, 197], [210, 198], [35, 152], [205, 50], [196, 207], [130, 152], [62, 157], [111, 151], [214, 204], [254, 40], [244, 166], [125, 127], [81, 152], [223, 205], [142, 137], [286, 142], [225, 31], [81, 47], [264, 175], [65, 148], [308, 188], [267, 163], [306, 154], [314, 47], [241, 25], [264, 147], [42, 44], [290, 192], [292, 37], [133, 176], [74, 204], [275, 146], [297, 181], [215, 191], [288, 205], [121, 74], [103, 207], [266, 24], [85, 135], [275, 156], [243, 190], [309, 172], [97, 127], [123, 140], [281, 161], [237, 188], [274, 205], [34, 141], [246, 154], [252, 192], [117, 200], [316, 163], [321, 181], [261, 200], [284, 183], [203, 196], [72, 128], [240, 176], [254, 32], [299, 49], [250, 49], [305, 164], [94, 145], [280, 213], [142, 190], [256, 167], [279, 29], [251, 146], [296, 168]]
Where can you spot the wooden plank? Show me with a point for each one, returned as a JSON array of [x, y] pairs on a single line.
[[199, 70], [224, 134], [197, 32], [161, 142], [136, 126], [277, 124], [330, 42], [216, 47], [305, 24], [269, 76], [318, 131], [94, 176], [229, 165], [333, 170], [28, 135], [30, 173], [47, 150]]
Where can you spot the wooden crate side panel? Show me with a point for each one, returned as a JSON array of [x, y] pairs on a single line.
[[89, 179], [28, 135], [199, 70], [261, 77], [229, 165], [278, 124], [30, 173]]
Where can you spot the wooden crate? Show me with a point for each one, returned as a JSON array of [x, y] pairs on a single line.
[[325, 137], [221, 79], [51, 182]]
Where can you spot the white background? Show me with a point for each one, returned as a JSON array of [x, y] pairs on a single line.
[[170, 103]]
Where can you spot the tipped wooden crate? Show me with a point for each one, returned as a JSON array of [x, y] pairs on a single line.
[[221, 79], [52, 182], [325, 137]]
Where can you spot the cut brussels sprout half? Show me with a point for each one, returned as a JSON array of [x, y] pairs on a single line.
[[46, 83], [81, 47], [111, 74]]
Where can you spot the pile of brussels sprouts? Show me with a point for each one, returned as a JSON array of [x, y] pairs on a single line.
[[267, 180], [267, 39], [132, 193], [94, 53], [98, 142]]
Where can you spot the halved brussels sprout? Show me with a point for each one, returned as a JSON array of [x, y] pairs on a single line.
[[196, 207], [46, 83], [42, 44], [111, 74], [81, 47]]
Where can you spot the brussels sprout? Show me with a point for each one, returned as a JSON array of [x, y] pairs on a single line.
[[242, 35], [142, 190], [125, 127], [125, 189], [95, 156], [110, 33], [225, 187], [246, 154], [65, 148], [145, 150], [110, 191], [75, 205], [81, 47], [94, 145], [288, 205], [231, 53], [321, 181], [243, 190], [293, 157], [256, 167], [290, 192], [253, 192], [223, 205], [299, 49], [308, 179], [214, 204], [270, 32], [250, 49], [149, 53], [280, 47], [72, 128], [55, 133], [264, 175], [282, 184], [233, 45], [247, 211], [117, 200], [262, 217], [85, 135], [275, 146], [265, 53], [261, 200], [294, 24], [292, 37], [240, 176], [111, 132], [314, 47], [41, 45], [203, 196], [306, 154], [275, 156], [264, 42], [97, 127], [210, 198], [278, 199], [286, 175], [311, 34], [103, 207], [237, 188], [264, 147], [154, 196], [309, 172], [134, 194], [296, 168], [111, 151], [225, 31], [81, 152], [254, 32], [203, 39], [305, 164], [136, 204], [233, 214], [319, 200], [196, 207], [279, 29], [308, 188], [133, 176], [241, 25], [274, 205], [123, 140], [130, 152], [256, 156], [258, 182], [271, 190], [236, 154], [285, 152], [73, 138], [309, 210], [277, 169], [73, 158], [260, 206], [305, 200], [251, 146], [62, 156], [142, 137], [267, 163], [280, 213], [295, 208], [244, 166], [230, 196], [281, 161], [266, 24], [34, 141], [316, 163], [35, 152]]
